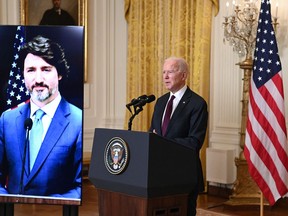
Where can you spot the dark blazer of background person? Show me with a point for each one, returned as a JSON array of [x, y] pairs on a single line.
[[53, 17]]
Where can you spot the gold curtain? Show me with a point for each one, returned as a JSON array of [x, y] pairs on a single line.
[[158, 29]]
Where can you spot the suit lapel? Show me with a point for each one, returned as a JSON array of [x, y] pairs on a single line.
[[56, 129], [24, 113]]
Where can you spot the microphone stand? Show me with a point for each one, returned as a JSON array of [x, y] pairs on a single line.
[[24, 160], [136, 112]]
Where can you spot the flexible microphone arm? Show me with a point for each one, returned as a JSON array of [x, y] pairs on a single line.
[[138, 106], [27, 125], [136, 112]]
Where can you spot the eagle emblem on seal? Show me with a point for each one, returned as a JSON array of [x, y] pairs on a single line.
[[116, 155]]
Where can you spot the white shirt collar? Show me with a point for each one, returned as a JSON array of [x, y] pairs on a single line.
[[49, 108], [179, 94]]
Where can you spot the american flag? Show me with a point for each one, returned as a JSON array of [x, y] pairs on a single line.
[[17, 94], [265, 143]]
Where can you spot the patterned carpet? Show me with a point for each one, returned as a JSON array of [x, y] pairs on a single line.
[[205, 212]]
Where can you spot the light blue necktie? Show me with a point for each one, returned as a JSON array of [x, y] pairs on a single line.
[[36, 134]]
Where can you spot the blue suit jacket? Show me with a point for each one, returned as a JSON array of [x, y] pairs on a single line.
[[187, 126], [57, 169]]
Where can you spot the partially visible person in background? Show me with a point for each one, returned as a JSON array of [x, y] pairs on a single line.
[[56, 16]]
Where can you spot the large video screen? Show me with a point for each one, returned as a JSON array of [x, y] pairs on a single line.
[[41, 108]]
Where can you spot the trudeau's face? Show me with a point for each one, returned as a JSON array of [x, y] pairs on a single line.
[[41, 79], [173, 79]]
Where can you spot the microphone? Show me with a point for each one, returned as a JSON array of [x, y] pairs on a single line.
[[147, 99], [135, 101], [27, 126]]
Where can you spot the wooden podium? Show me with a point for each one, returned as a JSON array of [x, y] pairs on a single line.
[[157, 179]]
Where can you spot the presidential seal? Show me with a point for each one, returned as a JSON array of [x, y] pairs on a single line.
[[116, 155]]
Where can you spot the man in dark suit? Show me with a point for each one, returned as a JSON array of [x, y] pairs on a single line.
[[56, 16], [188, 118], [55, 168]]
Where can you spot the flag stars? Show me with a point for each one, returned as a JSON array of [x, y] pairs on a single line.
[[16, 91], [259, 78], [264, 41], [263, 50], [18, 97], [9, 102], [268, 70], [21, 89], [269, 61], [271, 52], [12, 93]]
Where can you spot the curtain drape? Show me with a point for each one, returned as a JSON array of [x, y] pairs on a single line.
[[158, 29]]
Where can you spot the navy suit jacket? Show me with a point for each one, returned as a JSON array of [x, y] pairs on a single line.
[[187, 125], [57, 169]]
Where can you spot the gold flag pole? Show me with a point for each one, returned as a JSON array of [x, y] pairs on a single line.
[[261, 204]]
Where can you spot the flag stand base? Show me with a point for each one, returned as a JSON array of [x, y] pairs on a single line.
[[245, 190]]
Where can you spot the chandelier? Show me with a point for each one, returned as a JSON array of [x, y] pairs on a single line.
[[240, 27]]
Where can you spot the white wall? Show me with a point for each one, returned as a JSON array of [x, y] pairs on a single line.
[[105, 92]]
